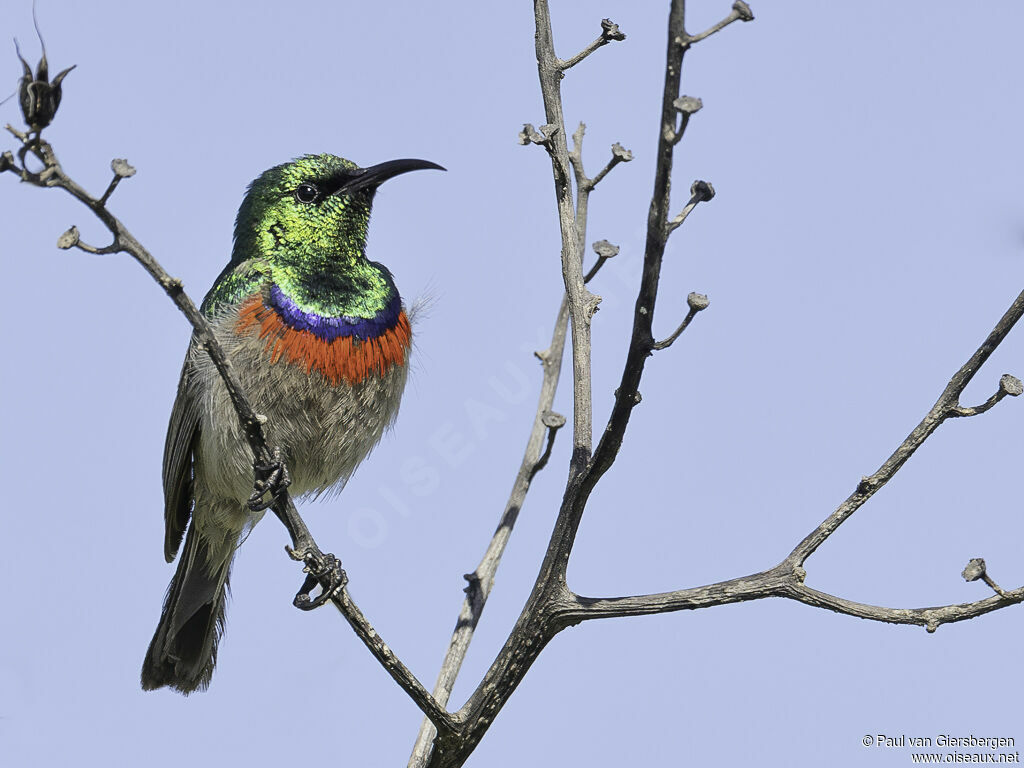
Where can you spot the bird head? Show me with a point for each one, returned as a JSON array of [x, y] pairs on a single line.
[[314, 209]]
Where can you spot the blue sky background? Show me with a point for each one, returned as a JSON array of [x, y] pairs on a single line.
[[867, 234]]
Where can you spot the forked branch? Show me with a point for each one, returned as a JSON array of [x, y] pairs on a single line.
[[945, 407]]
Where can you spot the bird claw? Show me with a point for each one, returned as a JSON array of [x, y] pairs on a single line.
[[272, 477], [319, 568], [323, 570]]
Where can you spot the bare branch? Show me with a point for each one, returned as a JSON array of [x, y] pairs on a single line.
[[551, 605], [543, 615], [481, 580], [641, 337], [23, 137], [401, 674], [687, 107], [530, 135], [554, 422], [604, 251], [697, 302], [944, 407], [699, 192], [619, 155], [82, 246], [1008, 385], [72, 239], [740, 12], [976, 569], [576, 160], [582, 303], [754, 587], [122, 170], [929, 618], [584, 186], [609, 33], [781, 581]]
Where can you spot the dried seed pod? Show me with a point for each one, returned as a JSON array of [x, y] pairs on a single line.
[[39, 96]]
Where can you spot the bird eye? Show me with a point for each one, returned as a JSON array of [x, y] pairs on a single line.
[[306, 193]]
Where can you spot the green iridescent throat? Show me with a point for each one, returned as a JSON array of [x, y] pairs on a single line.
[[314, 252]]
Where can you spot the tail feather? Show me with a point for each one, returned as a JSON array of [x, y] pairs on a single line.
[[183, 651]]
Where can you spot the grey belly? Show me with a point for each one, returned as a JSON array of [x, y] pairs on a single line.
[[323, 430]]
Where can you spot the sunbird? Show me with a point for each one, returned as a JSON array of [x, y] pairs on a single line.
[[320, 341]]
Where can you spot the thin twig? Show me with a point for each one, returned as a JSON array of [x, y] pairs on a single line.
[[609, 33], [929, 618], [481, 580], [697, 303], [122, 170], [582, 303], [604, 251], [96, 251], [1008, 385], [432, 708], [699, 192], [976, 569], [777, 582], [996, 588], [619, 155], [641, 338], [943, 409], [572, 62], [740, 12], [687, 106], [584, 186], [542, 617]]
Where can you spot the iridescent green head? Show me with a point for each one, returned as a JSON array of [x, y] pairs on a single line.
[[302, 226], [315, 207]]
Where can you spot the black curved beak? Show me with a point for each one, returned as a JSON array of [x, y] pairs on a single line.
[[375, 175]]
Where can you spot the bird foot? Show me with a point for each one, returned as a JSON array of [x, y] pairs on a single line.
[[323, 570], [272, 477]]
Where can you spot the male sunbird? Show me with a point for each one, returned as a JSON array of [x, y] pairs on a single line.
[[319, 338]]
